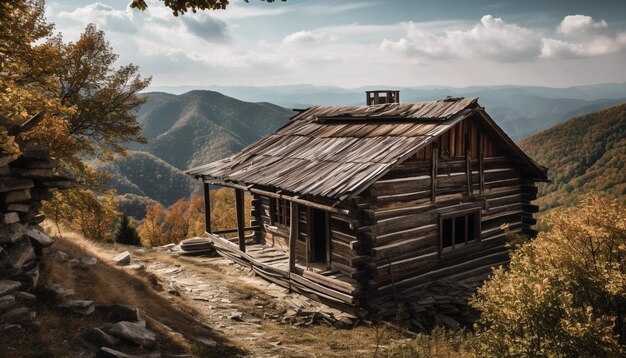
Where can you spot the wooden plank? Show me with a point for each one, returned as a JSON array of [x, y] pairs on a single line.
[[328, 241], [293, 236], [468, 171], [207, 208], [433, 175], [240, 218]]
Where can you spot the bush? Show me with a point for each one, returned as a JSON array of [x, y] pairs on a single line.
[[563, 294], [126, 232]]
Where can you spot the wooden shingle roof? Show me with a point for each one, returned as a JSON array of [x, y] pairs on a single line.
[[336, 151]]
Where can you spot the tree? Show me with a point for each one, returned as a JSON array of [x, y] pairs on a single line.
[[564, 294], [150, 229], [182, 6], [91, 215], [126, 232]]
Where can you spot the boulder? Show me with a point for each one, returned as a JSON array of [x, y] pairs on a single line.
[[11, 233], [122, 259], [100, 338], [8, 286], [87, 261], [117, 313], [39, 238], [18, 207], [135, 334], [16, 196], [10, 218], [18, 315], [13, 183], [61, 256], [20, 252], [7, 303], [105, 352], [83, 307]]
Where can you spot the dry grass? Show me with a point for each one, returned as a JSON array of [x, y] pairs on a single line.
[[60, 334]]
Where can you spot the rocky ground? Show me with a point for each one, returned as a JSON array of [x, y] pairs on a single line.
[[185, 306]]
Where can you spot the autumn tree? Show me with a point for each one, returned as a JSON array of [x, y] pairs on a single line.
[[126, 232], [182, 6], [564, 293], [150, 229], [89, 103]]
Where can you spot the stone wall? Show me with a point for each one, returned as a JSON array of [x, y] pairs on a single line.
[[25, 181]]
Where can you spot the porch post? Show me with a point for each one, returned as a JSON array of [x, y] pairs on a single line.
[[207, 208], [240, 219], [293, 236]]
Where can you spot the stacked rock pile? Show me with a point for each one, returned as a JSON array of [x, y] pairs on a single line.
[[25, 180]]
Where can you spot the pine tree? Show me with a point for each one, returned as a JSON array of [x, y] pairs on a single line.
[[126, 232]]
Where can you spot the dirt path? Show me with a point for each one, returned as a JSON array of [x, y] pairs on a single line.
[[261, 318]]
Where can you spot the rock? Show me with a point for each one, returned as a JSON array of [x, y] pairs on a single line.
[[100, 338], [35, 173], [7, 158], [18, 315], [36, 153], [41, 239], [20, 208], [60, 184], [15, 196], [7, 303], [61, 256], [165, 247], [136, 334], [236, 317], [25, 296], [60, 292], [10, 327], [13, 184], [136, 267], [8, 286], [73, 263], [87, 261], [20, 252], [122, 259], [29, 278], [83, 307], [117, 313], [10, 218], [11, 233], [105, 352]]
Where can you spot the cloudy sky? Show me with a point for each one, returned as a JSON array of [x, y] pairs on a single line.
[[458, 43]]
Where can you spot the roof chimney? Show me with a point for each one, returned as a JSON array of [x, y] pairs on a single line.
[[382, 97]]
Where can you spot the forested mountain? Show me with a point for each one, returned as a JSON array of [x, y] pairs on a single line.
[[202, 126], [586, 154], [184, 131]]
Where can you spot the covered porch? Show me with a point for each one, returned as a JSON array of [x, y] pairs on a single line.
[[278, 261]]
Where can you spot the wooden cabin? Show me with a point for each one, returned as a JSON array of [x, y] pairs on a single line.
[[364, 207]]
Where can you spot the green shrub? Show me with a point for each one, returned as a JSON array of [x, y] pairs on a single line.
[[126, 232]]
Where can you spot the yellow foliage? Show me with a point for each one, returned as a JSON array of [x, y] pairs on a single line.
[[564, 294], [185, 218], [91, 215]]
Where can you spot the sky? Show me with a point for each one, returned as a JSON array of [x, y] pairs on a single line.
[[554, 43]]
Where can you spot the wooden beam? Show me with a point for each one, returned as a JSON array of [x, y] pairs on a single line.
[[230, 231], [293, 236], [481, 163], [328, 241], [468, 171], [207, 208], [283, 196], [309, 234], [433, 175], [240, 218]]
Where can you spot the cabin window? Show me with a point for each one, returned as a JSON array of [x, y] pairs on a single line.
[[281, 212], [459, 230]]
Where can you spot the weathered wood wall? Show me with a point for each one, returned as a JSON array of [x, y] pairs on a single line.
[[403, 234]]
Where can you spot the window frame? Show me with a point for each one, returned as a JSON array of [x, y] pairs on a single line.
[[458, 214], [281, 212]]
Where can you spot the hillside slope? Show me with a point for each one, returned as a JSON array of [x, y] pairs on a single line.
[[202, 126], [145, 175], [586, 154]]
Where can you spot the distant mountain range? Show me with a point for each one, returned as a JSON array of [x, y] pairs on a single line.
[[200, 126], [520, 110], [584, 155]]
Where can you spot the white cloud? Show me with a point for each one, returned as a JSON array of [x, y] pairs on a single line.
[[302, 37], [584, 37], [104, 16], [580, 24], [491, 38]]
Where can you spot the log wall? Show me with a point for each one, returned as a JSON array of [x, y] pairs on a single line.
[[474, 173]]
